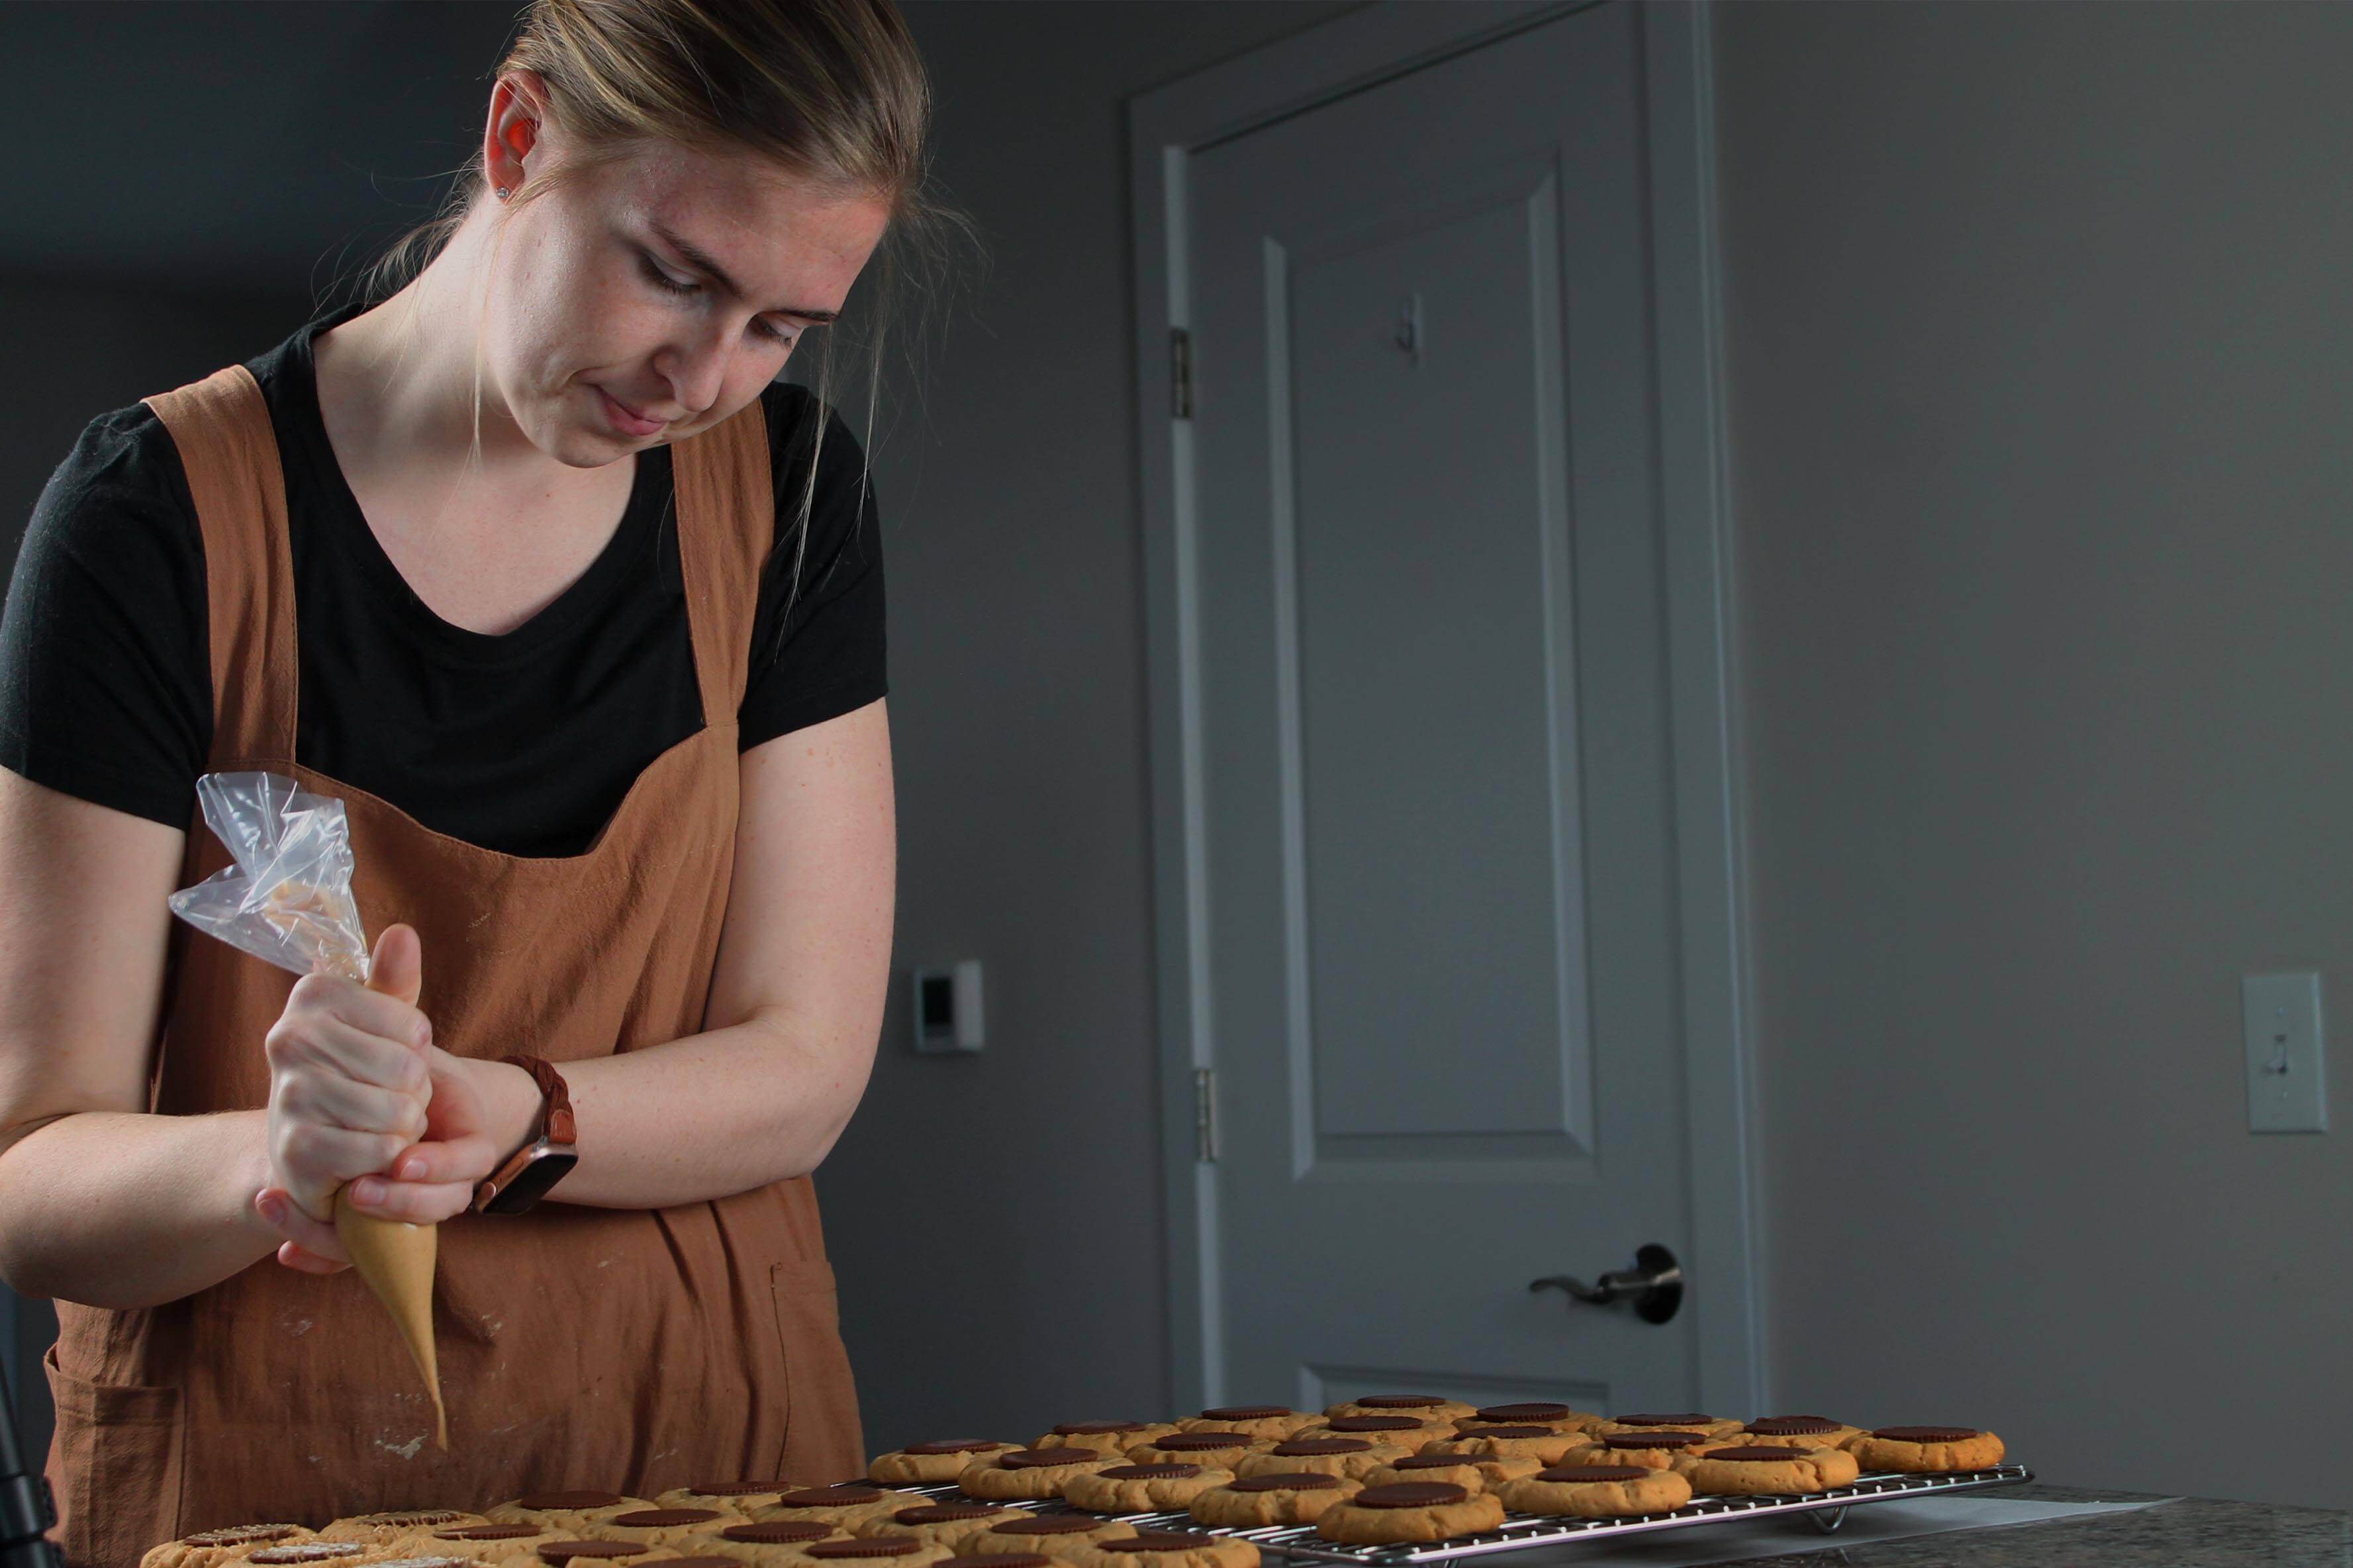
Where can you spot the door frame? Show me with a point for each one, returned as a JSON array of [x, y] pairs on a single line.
[[1166, 127]]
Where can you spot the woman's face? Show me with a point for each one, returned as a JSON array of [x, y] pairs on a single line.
[[673, 284]]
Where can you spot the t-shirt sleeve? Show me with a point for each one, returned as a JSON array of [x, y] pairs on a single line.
[[105, 680], [817, 653]]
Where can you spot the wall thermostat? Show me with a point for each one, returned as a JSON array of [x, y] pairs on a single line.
[[948, 1009]]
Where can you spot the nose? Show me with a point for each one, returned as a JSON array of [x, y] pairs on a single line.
[[695, 368]]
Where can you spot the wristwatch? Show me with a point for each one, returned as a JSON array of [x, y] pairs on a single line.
[[544, 1156]]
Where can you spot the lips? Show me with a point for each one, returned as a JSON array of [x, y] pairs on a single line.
[[627, 417]]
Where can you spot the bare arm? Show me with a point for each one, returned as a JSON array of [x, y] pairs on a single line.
[[765, 1089], [100, 1202]]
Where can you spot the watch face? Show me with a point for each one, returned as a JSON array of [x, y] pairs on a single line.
[[549, 1162]]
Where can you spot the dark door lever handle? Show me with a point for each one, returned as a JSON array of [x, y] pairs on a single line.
[[1654, 1285]]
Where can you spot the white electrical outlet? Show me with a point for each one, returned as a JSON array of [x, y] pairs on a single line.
[[2286, 1088]]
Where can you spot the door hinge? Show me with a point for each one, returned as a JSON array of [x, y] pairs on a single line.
[[1204, 1115], [1180, 373]]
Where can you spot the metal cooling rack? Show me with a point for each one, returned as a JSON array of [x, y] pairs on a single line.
[[1519, 1531]]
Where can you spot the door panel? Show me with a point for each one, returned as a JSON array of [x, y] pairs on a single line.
[[1437, 868]]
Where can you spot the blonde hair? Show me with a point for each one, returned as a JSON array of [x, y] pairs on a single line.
[[832, 92]]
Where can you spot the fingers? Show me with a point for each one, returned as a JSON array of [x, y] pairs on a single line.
[[321, 1159], [396, 969], [419, 1203], [320, 997], [310, 1244], [467, 1158], [323, 1098]]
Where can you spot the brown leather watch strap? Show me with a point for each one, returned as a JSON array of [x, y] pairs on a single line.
[[554, 1123]]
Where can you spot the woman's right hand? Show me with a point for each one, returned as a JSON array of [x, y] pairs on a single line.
[[349, 1082]]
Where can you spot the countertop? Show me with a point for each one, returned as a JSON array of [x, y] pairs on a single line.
[[2191, 1532]]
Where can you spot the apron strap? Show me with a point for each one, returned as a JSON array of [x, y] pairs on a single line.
[[726, 507], [726, 524], [230, 449]]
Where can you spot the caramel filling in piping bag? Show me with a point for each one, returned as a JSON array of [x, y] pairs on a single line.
[[395, 1259]]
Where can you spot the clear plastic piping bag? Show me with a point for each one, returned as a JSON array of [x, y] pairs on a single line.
[[288, 895]]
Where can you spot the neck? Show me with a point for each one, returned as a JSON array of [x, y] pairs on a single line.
[[404, 375]]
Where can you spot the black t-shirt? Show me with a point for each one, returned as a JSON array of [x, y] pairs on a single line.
[[524, 741]]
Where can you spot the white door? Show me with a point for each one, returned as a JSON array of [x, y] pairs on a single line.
[[1438, 867]]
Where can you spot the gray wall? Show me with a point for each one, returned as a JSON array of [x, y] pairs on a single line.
[[2039, 371], [996, 1219]]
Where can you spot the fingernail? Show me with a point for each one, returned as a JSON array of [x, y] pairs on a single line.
[[410, 1170], [367, 1190], [272, 1210]]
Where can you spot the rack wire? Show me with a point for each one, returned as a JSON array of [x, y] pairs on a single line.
[[1826, 1510]]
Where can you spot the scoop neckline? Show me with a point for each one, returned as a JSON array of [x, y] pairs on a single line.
[[618, 562]]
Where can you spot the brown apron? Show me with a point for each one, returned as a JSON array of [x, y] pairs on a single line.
[[631, 1350]]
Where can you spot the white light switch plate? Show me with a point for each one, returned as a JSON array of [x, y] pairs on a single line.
[[2286, 1088]]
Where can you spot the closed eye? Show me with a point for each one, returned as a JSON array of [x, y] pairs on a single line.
[[668, 284]]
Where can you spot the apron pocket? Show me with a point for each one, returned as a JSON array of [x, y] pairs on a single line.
[[822, 1445], [117, 1457]]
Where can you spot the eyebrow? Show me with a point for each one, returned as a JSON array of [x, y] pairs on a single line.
[[709, 263]]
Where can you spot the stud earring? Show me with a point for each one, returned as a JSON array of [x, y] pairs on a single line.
[[502, 193]]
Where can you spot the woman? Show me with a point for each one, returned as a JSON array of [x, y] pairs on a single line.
[[533, 567]]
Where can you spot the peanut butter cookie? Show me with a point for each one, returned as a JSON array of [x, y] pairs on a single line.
[[842, 1506], [942, 1460], [497, 1545], [1167, 1549], [1349, 1457], [566, 1510], [1248, 1501], [1404, 1428], [738, 1497], [879, 1550], [1597, 1491], [1471, 1472], [1651, 1451], [1533, 1412], [384, 1528], [1543, 1443], [1142, 1488], [1056, 1535], [1922, 1451], [1707, 1425], [946, 1522], [768, 1542], [1426, 1404], [1030, 1474], [1796, 1432], [1220, 1446], [210, 1548], [1270, 1422], [1111, 1436], [1418, 1511], [1769, 1472], [667, 1527]]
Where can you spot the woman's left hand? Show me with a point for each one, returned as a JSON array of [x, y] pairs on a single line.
[[432, 1180]]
